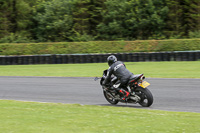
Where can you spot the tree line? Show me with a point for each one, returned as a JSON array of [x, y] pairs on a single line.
[[89, 20]]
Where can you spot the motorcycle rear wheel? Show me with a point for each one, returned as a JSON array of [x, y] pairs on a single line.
[[145, 95], [110, 99]]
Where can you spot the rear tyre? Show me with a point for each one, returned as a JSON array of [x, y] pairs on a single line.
[[145, 95], [110, 99]]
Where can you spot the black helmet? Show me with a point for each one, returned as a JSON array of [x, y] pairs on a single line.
[[111, 59]]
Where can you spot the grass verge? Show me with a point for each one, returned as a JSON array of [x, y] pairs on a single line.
[[188, 69], [30, 117]]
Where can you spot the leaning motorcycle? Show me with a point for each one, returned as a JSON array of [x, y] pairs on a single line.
[[136, 86]]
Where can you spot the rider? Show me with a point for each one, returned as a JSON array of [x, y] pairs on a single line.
[[118, 69]]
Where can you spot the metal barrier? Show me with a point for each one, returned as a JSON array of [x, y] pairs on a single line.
[[99, 58]]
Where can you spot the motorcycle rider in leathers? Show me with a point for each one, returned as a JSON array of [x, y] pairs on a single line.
[[118, 69]]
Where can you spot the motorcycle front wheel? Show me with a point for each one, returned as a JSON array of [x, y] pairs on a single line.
[[145, 95], [110, 99]]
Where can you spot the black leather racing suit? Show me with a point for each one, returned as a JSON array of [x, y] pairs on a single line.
[[119, 70]]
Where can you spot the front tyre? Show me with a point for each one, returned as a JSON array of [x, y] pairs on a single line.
[[145, 95], [110, 99]]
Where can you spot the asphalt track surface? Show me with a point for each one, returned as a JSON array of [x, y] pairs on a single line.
[[182, 95]]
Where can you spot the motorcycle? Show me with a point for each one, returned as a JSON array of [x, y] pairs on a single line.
[[136, 86]]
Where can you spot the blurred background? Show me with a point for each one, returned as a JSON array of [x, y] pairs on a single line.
[[90, 20], [56, 29]]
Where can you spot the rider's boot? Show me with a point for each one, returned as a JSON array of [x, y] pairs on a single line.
[[125, 94]]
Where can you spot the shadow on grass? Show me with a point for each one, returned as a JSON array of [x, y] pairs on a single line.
[[126, 105]]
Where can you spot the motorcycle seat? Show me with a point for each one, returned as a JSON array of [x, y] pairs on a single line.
[[135, 78]]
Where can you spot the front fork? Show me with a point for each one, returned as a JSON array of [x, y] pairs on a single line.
[[108, 93], [116, 97]]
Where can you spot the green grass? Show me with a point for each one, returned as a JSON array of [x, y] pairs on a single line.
[[188, 69], [30, 117]]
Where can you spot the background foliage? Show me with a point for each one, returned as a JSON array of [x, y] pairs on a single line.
[[99, 47], [89, 20]]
